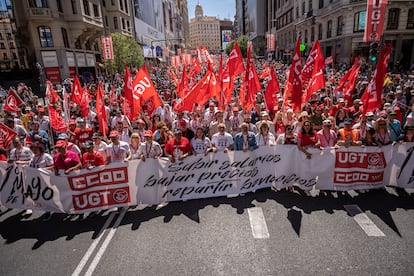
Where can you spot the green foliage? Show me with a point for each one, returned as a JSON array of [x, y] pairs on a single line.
[[126, 51], [242, 42]]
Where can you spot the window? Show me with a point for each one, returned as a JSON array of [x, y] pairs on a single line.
[[115, 23], [320, 4], [123, 23], [393, 15], [78, 44], [320, 31], [9, 36], [2, 45], [38, 3], [312, 36], [306, 36], [5, 56], [359, 21], [59, 5], [95, 10], [297, 12], [340, 25], [121, 4], [410, 19], [88, 45], [65, 38], [86, 7], [329, 29], [126, 6], [106, 21], [14, 56], [45, 36], [11, 45], [74, 9], [303, 7]]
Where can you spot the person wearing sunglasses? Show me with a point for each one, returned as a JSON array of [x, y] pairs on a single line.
[[306, 138], [326, 136], [382, 135], [287, 138]]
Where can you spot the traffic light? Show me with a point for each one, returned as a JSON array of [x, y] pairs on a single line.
[[373, 52]]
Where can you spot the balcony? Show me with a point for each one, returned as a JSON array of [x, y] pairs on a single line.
[[44, 14]]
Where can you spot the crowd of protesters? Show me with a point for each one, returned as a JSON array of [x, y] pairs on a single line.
[[327, 120]]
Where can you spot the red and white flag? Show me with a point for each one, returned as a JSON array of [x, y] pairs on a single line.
[[350, 86], [295, 78], [273, 87], [235, 61], [183, 88], [56, 121], [314, 55], [76, 91], [12, 101], [51, 94], [317, 80], [251, 84], [6, 136], [372, 97], [128, 85], [329, 60], [345, 78], [374, 20], [101, 110]]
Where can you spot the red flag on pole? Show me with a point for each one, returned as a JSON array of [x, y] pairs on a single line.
[[84, 104], [183, 88], [317, 80], [314, 55], [56, 121], [101, 110], [76, 91], [12, 101], [144, 92], [295, 78], [6, 136], [371, 99], [350, 86], [235, 61], [51, 94], [344, 79], [272, 89], [251, 83], [128, 85]]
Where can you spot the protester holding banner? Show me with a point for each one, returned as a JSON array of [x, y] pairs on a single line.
[[38, 135], [134, 144], [222, 140], [287, 138], [118, 151], [20, 154], [178, 148], [382, 135], [40, 159], [149, 148], [200, 144], [92, 158], [394, 125], [245, 140], [65, 161], [326, 136], [264, 137], [349, 136], [306, 138]]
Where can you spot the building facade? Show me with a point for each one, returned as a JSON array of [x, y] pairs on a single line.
[[205, 31], [339, 26], [226, 33]]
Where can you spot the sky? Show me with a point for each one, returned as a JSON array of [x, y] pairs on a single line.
[[218, 8]]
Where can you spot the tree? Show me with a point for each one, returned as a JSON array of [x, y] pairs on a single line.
[[242, 41], [126, 51]]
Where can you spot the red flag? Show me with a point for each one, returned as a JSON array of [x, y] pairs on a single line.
[[12, 101], [199, 93], [112, 97], [101, 110], [251, 83], [51, 94], [195, 69], [144, 92], [76, 91], [126, 108], [6, 136], [84, 104], [329, 60], [227, 89], [350, 86], [295, 78], [344, 79], [56, 121], [318, 77], [272, 89], [128, 86], [314, 55], [174, 78], [183, 88], [371, 99], [235, 61], [375, 18]]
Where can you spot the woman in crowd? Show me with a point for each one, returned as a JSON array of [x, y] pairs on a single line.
[[382, 135], [65, 161], [409, 133], [326, 136], [287, 138], [41, 159], [200, 143], [340, 117], [306, 138], [278, 123], [134, 144], [164, 136], [264, 137], [100, 145], [149, 148]]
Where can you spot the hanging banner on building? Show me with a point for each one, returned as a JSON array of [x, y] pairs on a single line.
[[217, 174], [375, 18], [108, 52], [270, 42]]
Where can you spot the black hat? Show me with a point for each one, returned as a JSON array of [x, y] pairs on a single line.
[[348, 121], [88, 144]]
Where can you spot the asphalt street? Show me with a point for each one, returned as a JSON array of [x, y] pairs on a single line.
[[302, 235]]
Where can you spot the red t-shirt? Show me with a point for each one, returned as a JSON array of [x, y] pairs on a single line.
[[94, 159], [66, 161], [176, 149], [83, 135], [306, 139]]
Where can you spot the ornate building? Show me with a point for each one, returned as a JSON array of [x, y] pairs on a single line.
[[205, 30]]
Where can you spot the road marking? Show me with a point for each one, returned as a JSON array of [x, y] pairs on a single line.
[[258, 223], [91, 248], [364, 221], [106, 242]]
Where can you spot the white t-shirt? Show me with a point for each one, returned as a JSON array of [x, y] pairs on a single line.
[[102, 148], [150, 150], [25, 154], [44, 160], [118, 153], [222, 142], [200, 145]]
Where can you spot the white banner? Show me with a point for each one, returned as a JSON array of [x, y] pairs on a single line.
[[157, 180]]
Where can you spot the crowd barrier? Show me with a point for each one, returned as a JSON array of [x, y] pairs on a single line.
[[217, 174]]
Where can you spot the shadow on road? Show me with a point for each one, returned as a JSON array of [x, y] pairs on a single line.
[[378, 202]]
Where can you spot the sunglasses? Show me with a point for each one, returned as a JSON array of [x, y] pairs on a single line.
[[307, 125], [382, 124]]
